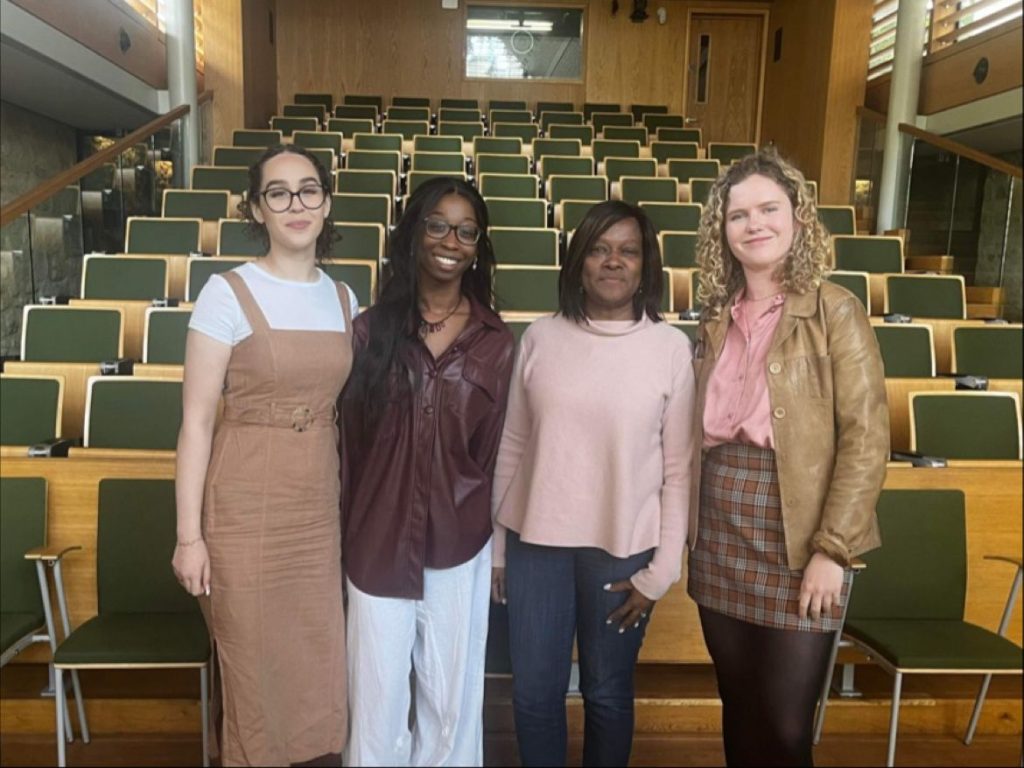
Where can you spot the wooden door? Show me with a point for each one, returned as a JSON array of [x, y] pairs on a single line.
[[724, 75]]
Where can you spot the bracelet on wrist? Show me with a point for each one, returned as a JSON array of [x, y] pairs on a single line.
[[190, 542]]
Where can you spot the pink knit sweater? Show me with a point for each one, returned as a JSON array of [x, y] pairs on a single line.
[[597, 443]]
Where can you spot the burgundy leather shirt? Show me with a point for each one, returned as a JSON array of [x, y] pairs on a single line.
[[417, 493]]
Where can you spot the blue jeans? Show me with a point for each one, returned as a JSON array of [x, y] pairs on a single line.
[[553, 594]]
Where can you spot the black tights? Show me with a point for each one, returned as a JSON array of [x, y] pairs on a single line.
[[769, 681]]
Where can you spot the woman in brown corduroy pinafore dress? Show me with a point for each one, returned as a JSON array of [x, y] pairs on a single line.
[[266, 547]]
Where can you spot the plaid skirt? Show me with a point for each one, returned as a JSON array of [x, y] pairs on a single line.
[[739, 565]]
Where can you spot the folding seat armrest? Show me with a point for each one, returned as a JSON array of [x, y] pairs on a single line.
[[968, 381], [896, 317], [52, 300], [49, 554], [918, 459], [857, 565], [689, 314], [52, 448], [122, 366], [166, 302]]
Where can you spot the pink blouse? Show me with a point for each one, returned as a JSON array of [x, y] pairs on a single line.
[[736, 405]]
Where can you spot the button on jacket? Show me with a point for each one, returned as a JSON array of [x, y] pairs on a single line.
[[417, 493], [830, 422]]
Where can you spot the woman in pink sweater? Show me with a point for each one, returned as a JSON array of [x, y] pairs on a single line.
[[591, 487]]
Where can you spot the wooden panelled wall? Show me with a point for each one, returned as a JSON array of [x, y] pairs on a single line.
[[223, 30]]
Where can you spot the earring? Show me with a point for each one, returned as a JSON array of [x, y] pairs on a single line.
[[474, 264]]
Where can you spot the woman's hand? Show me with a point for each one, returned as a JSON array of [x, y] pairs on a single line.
[[191, 566], [821, 586], [630, 612], [498, 594]]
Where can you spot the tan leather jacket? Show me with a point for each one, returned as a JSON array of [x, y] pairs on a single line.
[[830, 422]]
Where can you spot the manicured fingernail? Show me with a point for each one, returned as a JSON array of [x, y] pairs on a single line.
[[504, 601], [636, 625], [607, 587], [621, 630], [608, 621]]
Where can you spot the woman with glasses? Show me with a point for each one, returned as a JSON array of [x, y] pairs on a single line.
[[421, 418], [257, 497], [591, 487]]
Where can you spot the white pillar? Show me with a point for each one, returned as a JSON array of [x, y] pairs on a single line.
[[903, 94], [181, 77]]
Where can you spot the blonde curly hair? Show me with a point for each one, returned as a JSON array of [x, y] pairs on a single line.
[[807, 262]]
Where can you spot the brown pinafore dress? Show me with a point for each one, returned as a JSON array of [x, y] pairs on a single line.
[[272, 529]]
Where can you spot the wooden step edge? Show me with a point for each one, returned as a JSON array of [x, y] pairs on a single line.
[[105, 716]]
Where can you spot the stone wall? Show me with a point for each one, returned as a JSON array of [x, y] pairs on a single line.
[[32, 149]]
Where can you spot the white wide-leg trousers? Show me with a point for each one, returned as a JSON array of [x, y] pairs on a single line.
[[442, 640]]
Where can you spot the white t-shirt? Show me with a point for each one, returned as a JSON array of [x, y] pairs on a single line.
[[287, 305]]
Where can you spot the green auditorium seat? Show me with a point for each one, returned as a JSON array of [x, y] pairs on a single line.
[[526, 132], [729, 152], [326, 157], [908, 350], [514, 212], [236, 238], [487, 163], [496, 116], [679, 134], [663, 151], [547, 119], [65, 334], [426, 143], [316, 111], [626, 133], [526, 289], [453, 103], [412, 114], [584, 133], [200, 268], [857, 283], [508, 185], [601, 120], [30, 409], [381, 142], [255, 138], [455, 115], [357, 112], [634, 189], [124, 277], [234, 180], [557, 148], [325, 100], [162, 235], [350, 126], [683, 169], [521, 245], [515, 104], [407, 129], [374, 160], [654, 121], [603, 148], [678, 249], [994, 351], [673, 217], [966, 424], [360, 241], [617, 167], [440, 162], [366, 182], [361, 99], [639, 110], [577, 188], [418, 177], [571, 213], [132, 413], [246, 156], [166, 328], [518, 323], [563, 165], [689, 327], [838, 219], [864, 253], [497, 145], [554, 106], [208, 205], [468, 131], [592, 107], [907, 608], [410, 101], [333, 140], [700, 189], [145, 619], [360, 276], [936, 296], [373, 209], [287, 125]]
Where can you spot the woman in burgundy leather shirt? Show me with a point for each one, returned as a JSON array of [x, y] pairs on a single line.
[[421, 419]]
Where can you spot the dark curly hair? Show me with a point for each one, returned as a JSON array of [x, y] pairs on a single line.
[[325, 240]]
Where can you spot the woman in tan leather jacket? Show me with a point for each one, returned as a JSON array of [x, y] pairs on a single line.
[[794, 431]]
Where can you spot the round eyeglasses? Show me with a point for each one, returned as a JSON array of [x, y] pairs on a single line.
[[466, 233], [279, 199]]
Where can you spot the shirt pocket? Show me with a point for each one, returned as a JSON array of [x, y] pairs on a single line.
[[808, 377], [473, 394]]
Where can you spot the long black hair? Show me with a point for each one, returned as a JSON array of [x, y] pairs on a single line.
[[325, 240], [384, 371], [597, 221]]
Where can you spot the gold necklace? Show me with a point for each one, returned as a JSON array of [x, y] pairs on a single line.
[[427, 327]]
